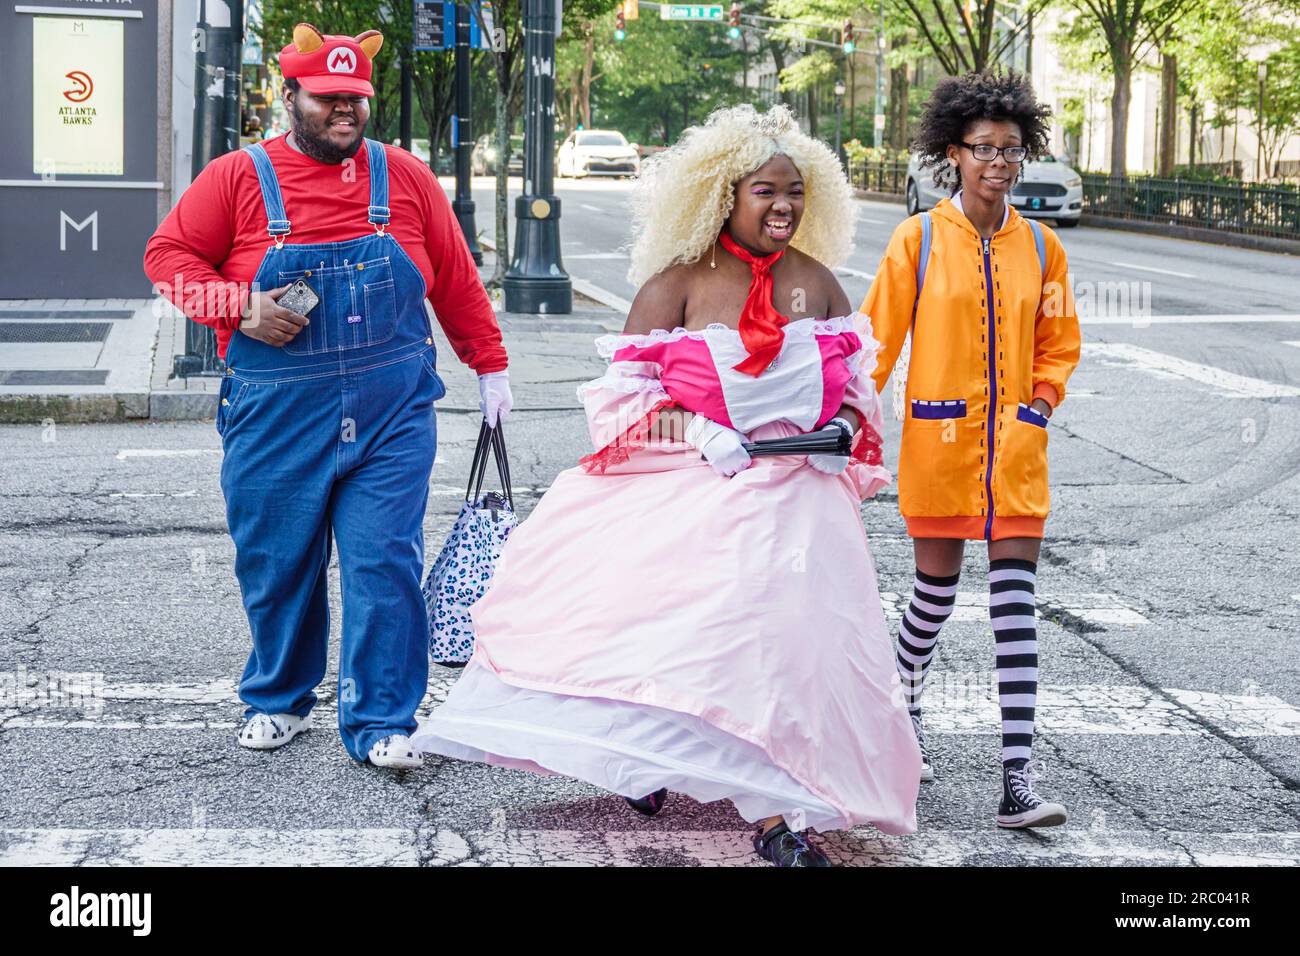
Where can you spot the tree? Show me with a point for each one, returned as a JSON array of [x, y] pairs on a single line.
[[963, 35], [576, 65], [1130, 28], [663, 77]]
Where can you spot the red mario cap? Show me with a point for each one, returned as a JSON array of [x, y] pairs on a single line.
[[327, 64]]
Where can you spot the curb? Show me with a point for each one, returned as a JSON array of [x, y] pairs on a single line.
[[74, 409], [1240, 240], [1214, 237]]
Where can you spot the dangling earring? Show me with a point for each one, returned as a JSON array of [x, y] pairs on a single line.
[[713, 251]]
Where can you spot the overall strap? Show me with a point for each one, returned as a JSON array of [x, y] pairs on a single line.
[[277, 223], [1039, 244], [922, 262], [378, 162]]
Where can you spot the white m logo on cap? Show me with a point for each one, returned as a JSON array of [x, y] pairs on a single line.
[[342, 61]]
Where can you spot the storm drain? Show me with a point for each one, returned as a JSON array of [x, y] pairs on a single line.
[[34, 333]]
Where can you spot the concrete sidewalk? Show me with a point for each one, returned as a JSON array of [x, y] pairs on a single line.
[[111, 360]]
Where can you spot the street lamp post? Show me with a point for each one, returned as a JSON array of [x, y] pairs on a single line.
[[463, 204], [217, 124], [536, 282]]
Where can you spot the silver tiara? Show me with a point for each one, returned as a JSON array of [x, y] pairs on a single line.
[[774, 122]]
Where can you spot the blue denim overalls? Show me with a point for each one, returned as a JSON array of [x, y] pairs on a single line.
[[334, 432]]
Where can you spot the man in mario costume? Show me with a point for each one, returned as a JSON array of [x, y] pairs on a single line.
[[326, 410]]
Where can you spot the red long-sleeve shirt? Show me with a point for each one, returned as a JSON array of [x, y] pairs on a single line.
[[208, 248]]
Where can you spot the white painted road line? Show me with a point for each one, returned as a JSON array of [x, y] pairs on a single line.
[[590, 208], [955, 703], [1167, 366], [1295, 344], [597, 255], [857, 273], [126, 453], [1091, 843], [958, 705], [1104, 609], [1208, 319], [1163, 272]]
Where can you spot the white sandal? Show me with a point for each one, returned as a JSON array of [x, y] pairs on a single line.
[[269, 731], [395, 751]]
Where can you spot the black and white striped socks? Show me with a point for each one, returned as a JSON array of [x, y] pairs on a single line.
[[932, 602], [1011, 610]]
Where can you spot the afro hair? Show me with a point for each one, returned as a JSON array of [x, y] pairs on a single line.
[[959, 101]]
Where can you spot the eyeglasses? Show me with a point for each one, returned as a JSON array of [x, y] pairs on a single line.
[[985, 152]]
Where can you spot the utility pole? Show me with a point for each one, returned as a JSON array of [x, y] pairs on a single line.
[[217, 125], [536, 282], [462, 138]]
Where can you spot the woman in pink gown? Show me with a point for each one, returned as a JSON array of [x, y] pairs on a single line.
[[675, 615]]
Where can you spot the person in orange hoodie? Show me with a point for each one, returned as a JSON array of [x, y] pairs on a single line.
[[984, 295]]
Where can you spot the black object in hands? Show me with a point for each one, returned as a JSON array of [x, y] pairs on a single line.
[[823, 442]]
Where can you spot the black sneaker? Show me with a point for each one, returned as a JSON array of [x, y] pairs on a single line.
[[927, 768], [781, 847], [650, 804], [1021, 807]]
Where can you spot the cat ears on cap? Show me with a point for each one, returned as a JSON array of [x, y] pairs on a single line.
[[308, 39]]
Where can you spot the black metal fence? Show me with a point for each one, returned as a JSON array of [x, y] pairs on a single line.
[[880, 176], [1252, 208]]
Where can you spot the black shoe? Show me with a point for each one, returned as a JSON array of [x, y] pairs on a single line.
[[1021, 807], [651, 804], [781, 847]]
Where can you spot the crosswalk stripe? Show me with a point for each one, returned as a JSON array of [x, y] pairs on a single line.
[[1138, 320], [956, 702], [501, 846], [1159, 364], [1104, 609]]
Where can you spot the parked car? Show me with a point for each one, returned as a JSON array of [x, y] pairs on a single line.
[[483, 161], [597, 152], [1049, 189]]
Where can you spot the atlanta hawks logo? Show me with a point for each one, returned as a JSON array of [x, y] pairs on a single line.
[[342, 61], [82, 87]]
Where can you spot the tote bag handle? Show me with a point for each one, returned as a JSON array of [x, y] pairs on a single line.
[[495, 439]]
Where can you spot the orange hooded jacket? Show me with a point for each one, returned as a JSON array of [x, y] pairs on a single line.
[[994, 330]]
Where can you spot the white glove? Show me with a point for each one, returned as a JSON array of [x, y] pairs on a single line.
[[495, 400], [832, 464], [722, 447]]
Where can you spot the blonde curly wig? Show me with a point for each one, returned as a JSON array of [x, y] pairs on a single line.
[[686, 193]]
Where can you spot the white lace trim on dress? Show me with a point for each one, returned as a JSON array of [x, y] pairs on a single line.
[[607, 345]]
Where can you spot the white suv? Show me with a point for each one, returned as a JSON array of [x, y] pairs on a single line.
[[1050, 189]]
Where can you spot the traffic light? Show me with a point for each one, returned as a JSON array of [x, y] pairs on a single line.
[[848, 36], [620, 24], [733, 22]]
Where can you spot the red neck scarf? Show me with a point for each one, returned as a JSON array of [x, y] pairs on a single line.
[[760, 322]]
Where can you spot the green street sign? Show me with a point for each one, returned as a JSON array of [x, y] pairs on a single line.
[[688, 11]]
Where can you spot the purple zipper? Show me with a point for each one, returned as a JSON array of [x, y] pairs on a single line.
[[993, 391]]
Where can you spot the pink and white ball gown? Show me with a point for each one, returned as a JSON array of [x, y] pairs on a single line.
[[653, 624]]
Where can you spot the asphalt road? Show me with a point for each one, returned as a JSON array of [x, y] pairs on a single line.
[[1169, 595]]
